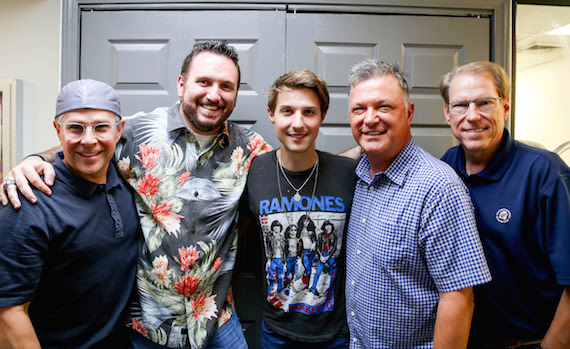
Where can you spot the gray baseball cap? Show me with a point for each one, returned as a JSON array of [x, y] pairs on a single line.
[[87, 94]]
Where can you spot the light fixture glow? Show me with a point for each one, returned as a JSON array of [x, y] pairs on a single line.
[[565, 30]]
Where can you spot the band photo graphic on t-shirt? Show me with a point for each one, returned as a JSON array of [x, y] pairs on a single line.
[[302, 250]]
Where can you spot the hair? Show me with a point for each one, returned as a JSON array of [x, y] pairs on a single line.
[[311, 227], [219, 47], [276, 223], [325, 223], [298, 79], [288, 234], [371, 68], [497, 72]]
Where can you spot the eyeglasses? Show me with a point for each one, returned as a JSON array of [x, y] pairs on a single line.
[[483, 105], [75, 131]]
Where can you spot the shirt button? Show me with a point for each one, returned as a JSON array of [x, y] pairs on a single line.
[[354, 340], [193, 230], [357, 251], [114, 212], [363, 220], [196, 194], [111, 202], [352, 313], [353, 283]]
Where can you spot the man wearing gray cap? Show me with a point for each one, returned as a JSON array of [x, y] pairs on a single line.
[[67, 263]]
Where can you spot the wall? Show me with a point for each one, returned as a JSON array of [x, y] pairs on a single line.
[[542, 97], [30, 51]]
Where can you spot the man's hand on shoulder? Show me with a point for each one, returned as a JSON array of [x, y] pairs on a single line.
[[27, 171]]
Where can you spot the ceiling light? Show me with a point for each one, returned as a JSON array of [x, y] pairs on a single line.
[[565, 30]]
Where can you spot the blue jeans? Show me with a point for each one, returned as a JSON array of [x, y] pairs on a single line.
[[272, 340], [229, 336]]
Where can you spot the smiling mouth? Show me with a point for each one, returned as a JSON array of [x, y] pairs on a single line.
[[375, 133], [89, 154], [297, 136], [210, 107], [475, 130]]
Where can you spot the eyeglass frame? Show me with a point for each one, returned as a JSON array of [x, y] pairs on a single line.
[[85, 127], [450, 106]]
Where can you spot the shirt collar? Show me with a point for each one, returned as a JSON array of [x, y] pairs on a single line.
[[175, 124], [498, 165], [80, 185], [396, 172]]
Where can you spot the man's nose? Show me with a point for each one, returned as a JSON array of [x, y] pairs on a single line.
[[472, 113], [214, 93], [371, 116]]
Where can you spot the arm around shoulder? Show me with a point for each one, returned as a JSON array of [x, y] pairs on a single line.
[[29, 171], [16, 330]]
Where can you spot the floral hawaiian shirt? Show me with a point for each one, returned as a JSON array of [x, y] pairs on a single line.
[[187, 200]]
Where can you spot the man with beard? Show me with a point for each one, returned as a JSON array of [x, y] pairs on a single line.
[[188, 167]]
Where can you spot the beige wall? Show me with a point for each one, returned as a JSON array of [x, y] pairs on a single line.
[[30, 52], [542, 97]]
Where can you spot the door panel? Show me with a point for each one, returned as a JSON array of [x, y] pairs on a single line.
[[426, 47]]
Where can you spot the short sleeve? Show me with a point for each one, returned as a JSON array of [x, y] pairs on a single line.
[[453, 250], [23, 250]]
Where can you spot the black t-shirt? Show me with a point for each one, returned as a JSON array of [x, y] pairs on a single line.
[[303, 259]]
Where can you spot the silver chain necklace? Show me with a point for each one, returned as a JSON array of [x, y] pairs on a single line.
[[308, 212], [297, 196]]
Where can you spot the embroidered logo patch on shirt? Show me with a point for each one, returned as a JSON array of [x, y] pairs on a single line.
[[503, 215]]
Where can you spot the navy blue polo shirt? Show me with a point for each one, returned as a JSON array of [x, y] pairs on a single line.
[[522, 204], [73, 255]]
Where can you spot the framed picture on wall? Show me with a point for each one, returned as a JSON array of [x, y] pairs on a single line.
[[9, 109]]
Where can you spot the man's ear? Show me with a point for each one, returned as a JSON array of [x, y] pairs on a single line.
[[55, 124], [507, 108], [121, 129], [410, 115], [271, 116], [446, 113], [180, 86]]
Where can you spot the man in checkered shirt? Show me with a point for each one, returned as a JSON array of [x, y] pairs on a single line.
[[413, 250]]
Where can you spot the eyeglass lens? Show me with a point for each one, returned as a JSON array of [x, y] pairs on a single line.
[[101, 131], [484, 105]]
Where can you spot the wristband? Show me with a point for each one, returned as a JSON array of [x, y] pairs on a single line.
[[38, 155]]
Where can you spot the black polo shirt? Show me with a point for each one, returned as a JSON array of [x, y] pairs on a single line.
[[73, 255]]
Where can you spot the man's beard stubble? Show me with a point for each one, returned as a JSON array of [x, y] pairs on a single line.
[[192, 115]]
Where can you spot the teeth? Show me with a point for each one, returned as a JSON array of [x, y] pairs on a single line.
[[374, 133], [211, 107], [91, 154], [476, 130]]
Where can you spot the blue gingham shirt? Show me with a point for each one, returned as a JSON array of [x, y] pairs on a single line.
[[412, 234]]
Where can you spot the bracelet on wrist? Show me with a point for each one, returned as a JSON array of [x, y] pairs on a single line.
[[38, 155]]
